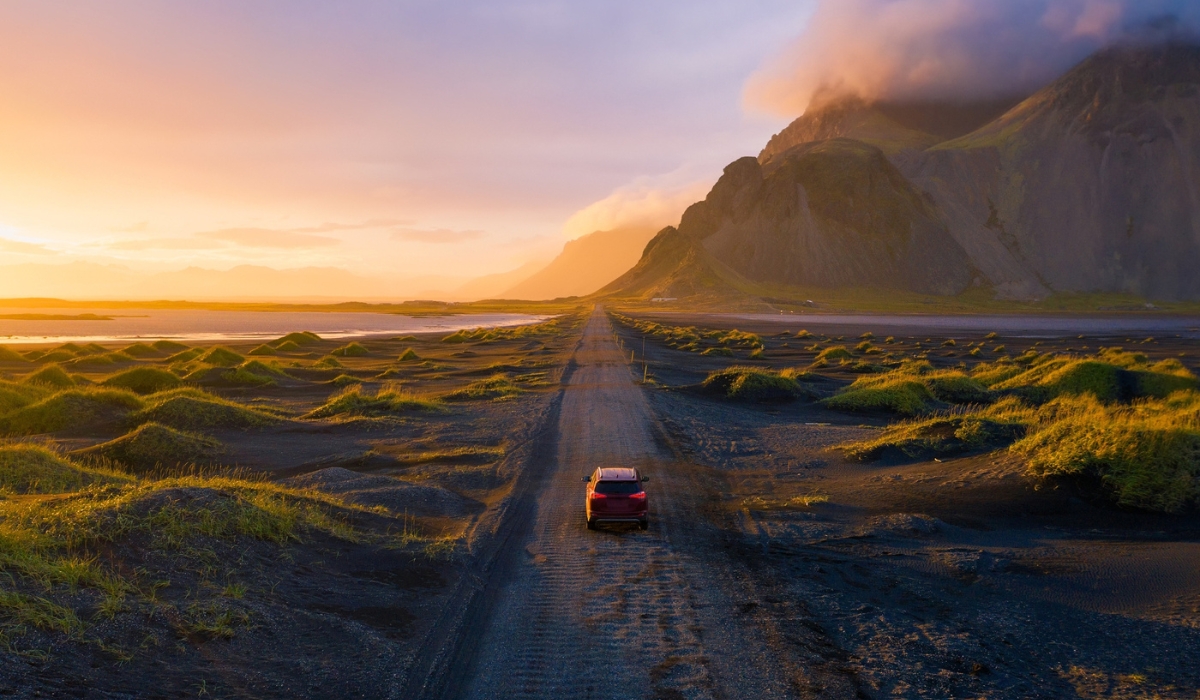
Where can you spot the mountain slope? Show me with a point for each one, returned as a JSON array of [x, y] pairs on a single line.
[[1090, 185], [494, 285], [584, 265]]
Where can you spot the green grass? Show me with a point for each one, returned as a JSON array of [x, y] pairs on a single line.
[[14, 395], [288, 346], [221, 356], [355, 401], [139, 350], [752, 384], [148, 528], [51, 376], [351, 350], [56, 356], [900, 395], [8, 355], [1146, 455], [143, 380], [409, 355], [168, 346], [192, 409], [497, 386], [298, 339], [345, 380], [73, 408], [328, 362], [941, 436], [835, 353], [186, 355], [26, 469], [720, 352], [153, 447], [263, 350]]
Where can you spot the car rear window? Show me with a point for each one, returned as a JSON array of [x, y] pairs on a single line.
[[618, 488]]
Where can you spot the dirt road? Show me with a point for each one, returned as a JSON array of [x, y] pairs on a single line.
[[617, 613]]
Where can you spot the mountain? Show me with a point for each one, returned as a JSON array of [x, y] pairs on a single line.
[[584, 265], [1092, 184], [494, 286]]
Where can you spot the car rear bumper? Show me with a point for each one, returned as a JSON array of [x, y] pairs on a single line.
[[623, 518]]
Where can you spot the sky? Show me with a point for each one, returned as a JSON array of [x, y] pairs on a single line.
[[403, 139], [431, 141]]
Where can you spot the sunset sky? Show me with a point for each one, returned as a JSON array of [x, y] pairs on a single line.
[[422, 138], [395, 138]]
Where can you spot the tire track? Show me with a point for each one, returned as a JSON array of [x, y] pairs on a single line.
[[605, 614]]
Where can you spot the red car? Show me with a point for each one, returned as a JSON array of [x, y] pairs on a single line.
[[615, 495]]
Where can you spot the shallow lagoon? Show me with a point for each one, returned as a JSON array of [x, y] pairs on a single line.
[[199, 325]]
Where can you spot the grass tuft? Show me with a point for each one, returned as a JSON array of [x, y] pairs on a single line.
[[752, 384], [51, 376], [153, 447], [263, 350], [299, 339], [143, 380], [221, 356], [495, 387], [351, 350], [26, 469], [196, 410], [8, 355], [355, 401], [74, 408], [409, 355]]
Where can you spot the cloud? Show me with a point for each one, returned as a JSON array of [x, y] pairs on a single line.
[[651, 202], [440, 235], [949, 49], [139, 227], [23, 248], [268, 238], [372, 223], [166, 244]]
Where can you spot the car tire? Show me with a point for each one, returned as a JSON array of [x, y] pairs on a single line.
[[591, 524], [644, 524]]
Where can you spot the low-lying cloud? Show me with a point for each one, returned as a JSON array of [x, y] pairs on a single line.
[[268, 238], [22, 248], [647, 202], [437, 235], [951, 49]]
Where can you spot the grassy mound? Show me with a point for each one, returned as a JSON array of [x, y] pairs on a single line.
[[154, 528], [140, 350], [388, 401], [56, 356], [1146, 455], [264, 369], [751, 384], [721, 352], [495, 387], [196, 410], [14, 396], [152, 447], [994, 427], [288, 346], [51, 375], [409, 355], [327, 362], [902, 395], [836, 353], [105, 360], [35, 469], [221, 356], [73, 408], [1113, 375], [298, 339], [345, 380], [7, 355], [143, 380], [263, 350], [168, 346], [351, 350], [186, 355]]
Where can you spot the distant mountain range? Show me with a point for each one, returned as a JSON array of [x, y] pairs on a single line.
[[585, 265], [1090, 185]]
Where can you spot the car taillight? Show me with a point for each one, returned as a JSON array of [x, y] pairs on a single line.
[[597, 496], [640, 495]]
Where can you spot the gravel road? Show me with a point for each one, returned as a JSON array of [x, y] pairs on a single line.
[[616, 613]]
